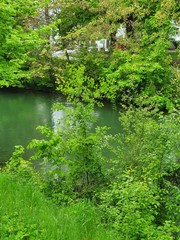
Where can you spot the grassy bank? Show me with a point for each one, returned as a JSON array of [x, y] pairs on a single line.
[[25, 213]]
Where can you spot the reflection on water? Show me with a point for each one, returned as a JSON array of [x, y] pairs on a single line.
[[106, 116], [22, 111], [56, 118]]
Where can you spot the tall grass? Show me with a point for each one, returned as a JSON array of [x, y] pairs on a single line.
[[25, 213]]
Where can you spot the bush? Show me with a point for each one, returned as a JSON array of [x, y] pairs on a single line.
[[142, 200]]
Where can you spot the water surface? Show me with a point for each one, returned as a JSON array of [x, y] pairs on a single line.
[[22, 111]]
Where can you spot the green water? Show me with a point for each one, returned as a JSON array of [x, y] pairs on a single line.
[[22, 111]]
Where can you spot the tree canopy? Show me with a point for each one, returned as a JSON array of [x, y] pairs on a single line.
[[135, 69], [131, 177]]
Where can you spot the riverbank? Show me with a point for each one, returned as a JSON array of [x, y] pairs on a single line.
[[27, 214], [134, 190]]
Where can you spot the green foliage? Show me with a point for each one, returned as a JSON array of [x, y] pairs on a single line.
[[141, 74], [22, 169], [27, 214], [73, 154], [135, 187], [25, 50], [13, 229], [72, 17], [176, 89], [139, 78], [146, 137], [16, 41], [80, 86], [94, 61], [142, 200], [132, 206]]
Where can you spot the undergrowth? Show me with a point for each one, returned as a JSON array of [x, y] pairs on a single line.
[[25, 213]]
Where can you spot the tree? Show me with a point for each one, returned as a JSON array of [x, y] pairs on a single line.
[[142, 72], [15, 41], [24, 38]]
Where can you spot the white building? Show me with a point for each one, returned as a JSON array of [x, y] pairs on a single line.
[[176, 36]]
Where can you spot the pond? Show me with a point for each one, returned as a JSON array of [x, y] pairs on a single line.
[[21, 111]]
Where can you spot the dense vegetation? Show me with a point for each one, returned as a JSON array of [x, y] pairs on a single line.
[[131, 179], [27, 214], [136, 70]]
